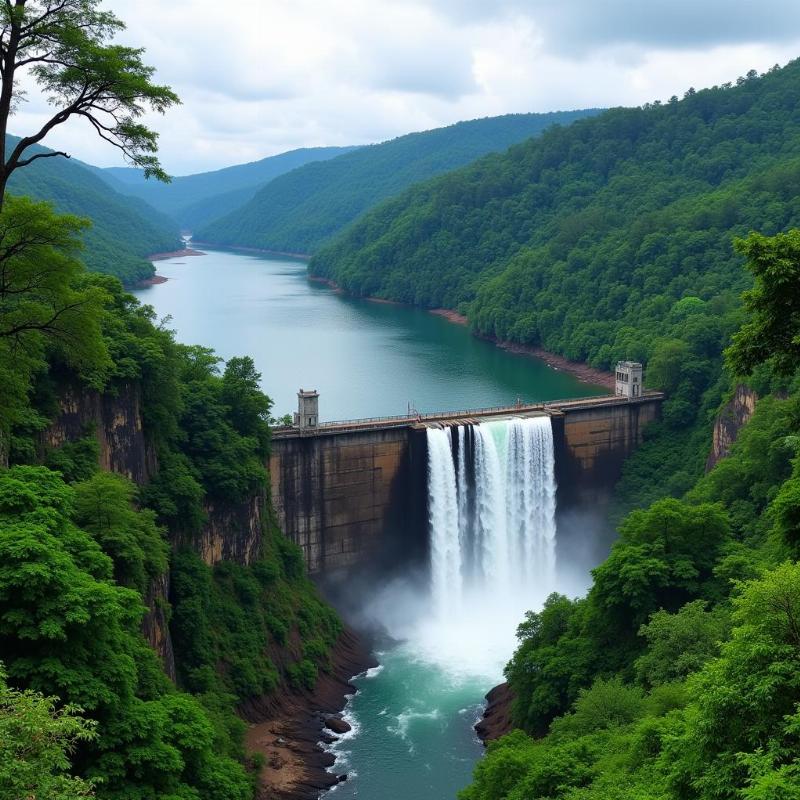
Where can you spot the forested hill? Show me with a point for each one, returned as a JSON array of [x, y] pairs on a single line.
[[124, 230], [301, 210], [194, 200], [585, 240]]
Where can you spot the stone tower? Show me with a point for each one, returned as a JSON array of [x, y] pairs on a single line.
[[628, 379], [307, 414]]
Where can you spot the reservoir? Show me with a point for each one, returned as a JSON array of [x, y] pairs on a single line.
[[412, 716], [366, 359]]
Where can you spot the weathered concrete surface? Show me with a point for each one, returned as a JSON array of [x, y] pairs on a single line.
[[347, 498], [353, 496], [592, 443]]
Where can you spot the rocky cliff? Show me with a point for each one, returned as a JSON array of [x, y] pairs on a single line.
[[115, 420], [231, 532], [731, 419]]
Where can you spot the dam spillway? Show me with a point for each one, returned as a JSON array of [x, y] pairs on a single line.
[[491, 509], [354, 494]]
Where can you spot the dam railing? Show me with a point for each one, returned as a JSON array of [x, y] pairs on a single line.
[[403, 420]]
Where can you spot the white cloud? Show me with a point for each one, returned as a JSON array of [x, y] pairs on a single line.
[[264, 76]]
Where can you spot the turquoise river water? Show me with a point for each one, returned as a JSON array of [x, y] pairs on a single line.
[[412, 717]]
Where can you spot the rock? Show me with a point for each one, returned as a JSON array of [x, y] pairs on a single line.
[[337, 725], [496, 720], [341, 778]]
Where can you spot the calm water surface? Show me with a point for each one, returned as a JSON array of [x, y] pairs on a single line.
[[412, 717], [366, 359]]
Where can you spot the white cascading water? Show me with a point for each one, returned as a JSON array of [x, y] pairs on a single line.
[[491, 501], [444, 519]]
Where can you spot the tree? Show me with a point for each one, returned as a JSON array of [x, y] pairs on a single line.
[[66, 46], [742, 735], [41, 303], [679, 644], [773, 331], [37, 736]]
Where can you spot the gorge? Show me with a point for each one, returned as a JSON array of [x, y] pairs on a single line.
[[375, 509]]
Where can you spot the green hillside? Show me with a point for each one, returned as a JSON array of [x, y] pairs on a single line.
[[599, 239], [124, 230], [300, 211], [194, 200]]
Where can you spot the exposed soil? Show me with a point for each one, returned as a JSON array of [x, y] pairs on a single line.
[[583, 372], [292, 726], [154, 281], [174, 254], [304, 256]]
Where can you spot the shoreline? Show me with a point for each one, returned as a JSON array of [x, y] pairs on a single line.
[[242, 248], [290, 728], [583, 372], [155, 280], [186, 251]]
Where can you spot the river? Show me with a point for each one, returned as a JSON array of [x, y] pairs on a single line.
[[412, 717]]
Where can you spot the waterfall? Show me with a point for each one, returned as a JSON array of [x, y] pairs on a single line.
[[492, 502], [444, 523]]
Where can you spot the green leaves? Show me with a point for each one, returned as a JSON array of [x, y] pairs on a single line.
[[37, 737], [67, 48], [773, 331]]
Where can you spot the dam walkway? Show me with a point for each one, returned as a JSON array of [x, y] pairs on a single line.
[[551, 407]]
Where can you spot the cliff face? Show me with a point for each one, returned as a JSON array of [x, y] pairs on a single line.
[[155, 624], [115, 420], [733, 417], [232, 532]]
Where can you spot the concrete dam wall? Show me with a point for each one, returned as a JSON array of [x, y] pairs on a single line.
[[355, 494]]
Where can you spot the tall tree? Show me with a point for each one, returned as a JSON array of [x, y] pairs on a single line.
[[66, 47]]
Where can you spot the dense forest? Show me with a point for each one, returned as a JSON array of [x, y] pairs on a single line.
[[195, 200], [81, 549], [678, 675], [126, 650], [301, 210], [123, 231]]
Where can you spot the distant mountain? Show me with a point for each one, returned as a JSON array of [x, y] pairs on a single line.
[[299, 211], [125, 230], [192, 200], [598, 240]]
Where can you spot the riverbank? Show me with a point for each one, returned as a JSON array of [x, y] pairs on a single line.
[[292, 726], [583, 372], [155, 280], [242, 249], [186, 251]]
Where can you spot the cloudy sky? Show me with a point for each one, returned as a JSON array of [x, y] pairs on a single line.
[[259, 77]]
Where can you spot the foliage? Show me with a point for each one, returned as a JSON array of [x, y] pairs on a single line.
[[37, 738], [600, 239], [68, 49], [229, 622], [704, 704], [773, 304], [42, 306], [679, 644], [124, 231], [301, 210], [68, 629]]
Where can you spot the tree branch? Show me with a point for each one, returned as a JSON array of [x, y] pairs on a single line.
[[52, 153]]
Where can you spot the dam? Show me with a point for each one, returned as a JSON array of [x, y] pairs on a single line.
[[355, 493]]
